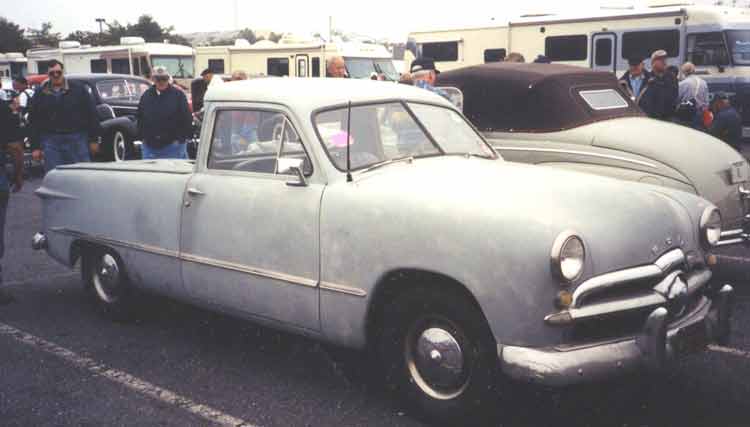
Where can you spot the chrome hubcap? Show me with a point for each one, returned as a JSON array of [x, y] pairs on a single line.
[[436, 363], [107, 279], [119, 146]]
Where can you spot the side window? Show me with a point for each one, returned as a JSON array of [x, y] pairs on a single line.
[[145, 69], [644, 43], [494, 55], [441, 51], [120, 66], [278, 67], [316, 67], [566, 48], [99, 66], [246, 140], [216, 65], [706, 49], [136, 67]]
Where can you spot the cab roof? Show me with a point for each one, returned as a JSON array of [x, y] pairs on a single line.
[[311, 94], [532, 97]]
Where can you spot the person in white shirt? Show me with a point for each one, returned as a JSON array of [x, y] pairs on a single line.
[[693, 87], [25, 94]]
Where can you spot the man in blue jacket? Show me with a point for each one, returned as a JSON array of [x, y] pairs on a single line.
[[164, 119], [62, 118]]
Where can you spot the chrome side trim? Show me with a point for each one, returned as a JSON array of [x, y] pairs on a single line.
[[288, 278], [577, 153], [46, 193], [731, 233], [296, 280], [343, 289]]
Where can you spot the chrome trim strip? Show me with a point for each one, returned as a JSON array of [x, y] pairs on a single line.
[[670, 260], [123, 244], [343, 289], [609, 307], [578, 153], [296, 280], [731, 233]]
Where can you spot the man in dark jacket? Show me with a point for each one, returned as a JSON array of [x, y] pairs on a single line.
[[62, 118], [199, 87], [164, 120], [11, 140], [727, 124], [634, 80], [659, 99]]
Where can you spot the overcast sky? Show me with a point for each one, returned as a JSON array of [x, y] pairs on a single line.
[[392, 19]]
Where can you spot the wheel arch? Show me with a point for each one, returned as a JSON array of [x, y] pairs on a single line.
[[400, 281]]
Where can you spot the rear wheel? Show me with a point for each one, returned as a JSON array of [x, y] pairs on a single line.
[[106, 283], [439, 355]]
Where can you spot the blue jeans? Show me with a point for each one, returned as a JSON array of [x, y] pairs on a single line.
[[174, 150], [65, 149]]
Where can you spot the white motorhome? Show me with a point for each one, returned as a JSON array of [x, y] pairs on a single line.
[[295, 58], [12, 65], [132, 56]]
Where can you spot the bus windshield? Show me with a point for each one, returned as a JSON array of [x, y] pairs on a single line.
[[739, 46], [180, 67], [364, 68]]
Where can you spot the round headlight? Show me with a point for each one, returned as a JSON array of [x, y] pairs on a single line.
[[568, 257], [710, 227]]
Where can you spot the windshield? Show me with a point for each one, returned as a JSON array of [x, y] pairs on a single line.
[[363, 68], [386, 67], [180, 67], [383, 132], [121, 89], [739, 46], [706, 49]]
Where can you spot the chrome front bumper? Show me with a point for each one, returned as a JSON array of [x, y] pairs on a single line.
[[39, 242], [741, 235], [657, 344]]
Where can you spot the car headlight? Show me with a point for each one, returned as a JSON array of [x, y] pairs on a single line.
[[710, 226], [568, 257]]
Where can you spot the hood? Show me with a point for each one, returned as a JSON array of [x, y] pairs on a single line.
[[623, 224], [703, 159]]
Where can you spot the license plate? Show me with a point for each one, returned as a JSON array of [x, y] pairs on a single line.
[[739, 173], [691, 339]]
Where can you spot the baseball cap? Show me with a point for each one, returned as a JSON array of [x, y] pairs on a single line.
[[423, 64], [160, 72], [659, 54], [635, 60], [206, 71]]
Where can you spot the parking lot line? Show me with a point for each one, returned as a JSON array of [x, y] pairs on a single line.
[[732, 351], [138, 385]]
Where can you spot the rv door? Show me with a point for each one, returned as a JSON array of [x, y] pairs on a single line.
[[604, 48], [302, 62]]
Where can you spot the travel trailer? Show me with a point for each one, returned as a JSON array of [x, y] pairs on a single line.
[[12, 65], [716, 39], [295, 58], [132, 56]]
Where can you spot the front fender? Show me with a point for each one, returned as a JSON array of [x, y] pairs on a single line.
[[126, 124]]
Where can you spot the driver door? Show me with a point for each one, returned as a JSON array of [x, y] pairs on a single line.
[[250, 234]]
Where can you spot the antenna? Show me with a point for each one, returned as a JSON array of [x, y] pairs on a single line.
[[349, 143]]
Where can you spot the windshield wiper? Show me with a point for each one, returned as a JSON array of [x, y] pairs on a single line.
[[407, 159]]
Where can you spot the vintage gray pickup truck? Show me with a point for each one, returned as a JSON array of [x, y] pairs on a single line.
[[373, 216]]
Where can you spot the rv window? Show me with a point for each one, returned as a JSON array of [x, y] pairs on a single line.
[[120, 66], [643, 43], [603, 52], [566, 48], [440, 51], [216, 65], [707, 49], [42, 67], [278, 67], [606, 99], [99, 66], [316, 67], [739, 45], [180, 67], [494, 55], [136, 67], [145, 69]]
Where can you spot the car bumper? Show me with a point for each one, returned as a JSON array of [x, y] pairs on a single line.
[[654, 348]]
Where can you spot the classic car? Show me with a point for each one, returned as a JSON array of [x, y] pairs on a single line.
[[581, 120], [373, 216]]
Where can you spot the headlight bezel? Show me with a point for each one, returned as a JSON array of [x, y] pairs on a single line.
[[710, 220], [559, 247]]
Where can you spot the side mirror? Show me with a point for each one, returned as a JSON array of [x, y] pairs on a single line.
[[105, 112], [292, 166]]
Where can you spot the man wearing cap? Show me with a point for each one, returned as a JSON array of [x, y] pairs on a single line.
[[424, 74], [634, 80], [336, 68], [659, 99], [62, 118], [164, 120], [199, 87], [727, 124]]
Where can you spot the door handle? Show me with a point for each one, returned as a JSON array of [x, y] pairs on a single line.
[[195, 192]]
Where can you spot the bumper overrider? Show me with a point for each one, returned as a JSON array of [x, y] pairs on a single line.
[[681, 316]]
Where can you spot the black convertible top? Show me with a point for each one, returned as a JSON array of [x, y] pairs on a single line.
[[512, 97]]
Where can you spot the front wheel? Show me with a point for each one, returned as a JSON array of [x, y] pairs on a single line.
[[106, 283], [439, 355], [122, 147]]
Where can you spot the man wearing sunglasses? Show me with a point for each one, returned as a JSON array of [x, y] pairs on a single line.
[[164, 119], [62, 119]]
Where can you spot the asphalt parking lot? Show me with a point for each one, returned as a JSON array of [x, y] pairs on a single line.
[[62, 364]]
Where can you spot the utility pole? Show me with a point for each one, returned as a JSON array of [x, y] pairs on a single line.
[[101, 22], [330, 29], [236, 14]]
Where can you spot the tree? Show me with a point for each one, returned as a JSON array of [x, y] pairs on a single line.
[[146, 27], [43, 37], [11, 37], [248, 35], [274, 37], [85, 37]]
